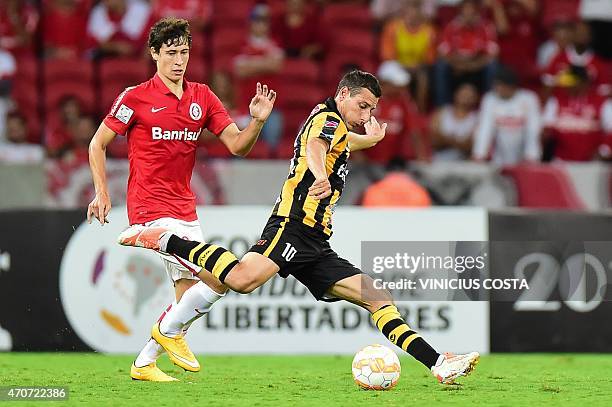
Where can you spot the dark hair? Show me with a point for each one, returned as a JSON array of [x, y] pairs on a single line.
[[16, 115], [506, 76], [169, 31], [579, 72], [355, 80]]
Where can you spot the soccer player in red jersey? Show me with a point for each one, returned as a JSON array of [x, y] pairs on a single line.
[[163, 119]]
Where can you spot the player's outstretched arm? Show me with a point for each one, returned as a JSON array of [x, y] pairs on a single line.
[[241, 142], [101, 204], [375, 132], [316, 149]]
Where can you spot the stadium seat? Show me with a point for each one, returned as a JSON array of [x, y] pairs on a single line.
[[25, 91], [353, 39], [347, 15], [299, 95], [445, 14], [55, 92], [26, 94], [293, 120], [27, 69], [277, 7], [63, 79], [261, 151], [226, 11], [543, 186], [130, 71], [336, 63], [226, 44], [117, 74], [67, 71], [303, 70], [285, 148]]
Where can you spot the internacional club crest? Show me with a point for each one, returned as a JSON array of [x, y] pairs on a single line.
[[195, 111]]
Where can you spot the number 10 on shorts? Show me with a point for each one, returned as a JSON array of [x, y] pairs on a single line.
[[289, 252]]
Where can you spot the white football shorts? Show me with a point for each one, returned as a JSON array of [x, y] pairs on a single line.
[[178, 268]]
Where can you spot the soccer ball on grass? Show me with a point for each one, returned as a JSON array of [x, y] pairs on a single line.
[[376, 367]]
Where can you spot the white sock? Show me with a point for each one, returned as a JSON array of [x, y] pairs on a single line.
[[152, 350], [439, 361], [196, 302], [149, 354]]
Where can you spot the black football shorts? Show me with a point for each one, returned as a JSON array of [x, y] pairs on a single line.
[[304, 253]]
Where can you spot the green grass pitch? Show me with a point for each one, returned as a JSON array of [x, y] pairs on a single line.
[[499, 380]]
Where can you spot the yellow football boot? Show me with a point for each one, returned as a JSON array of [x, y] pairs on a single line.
[[150, 373], [177, 349]]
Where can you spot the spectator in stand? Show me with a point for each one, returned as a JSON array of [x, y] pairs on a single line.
[[79, 151], [577, 120], [64, 28], [297, 31], [119, 28], [411, 41], [509, 123], [60, 139], [578, 54], [396, 189], [16, 148], [18, 24], [404, 136], [467, 52], [452, 127], [561, 38], [518, 35], [260, 60]]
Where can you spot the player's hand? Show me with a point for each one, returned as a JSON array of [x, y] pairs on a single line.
[[320, 189], [262, 103], [99, 208], [374, 130]]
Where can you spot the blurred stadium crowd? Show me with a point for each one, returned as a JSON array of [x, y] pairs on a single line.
[[506, 81]]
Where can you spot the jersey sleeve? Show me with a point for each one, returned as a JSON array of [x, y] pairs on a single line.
[[326, 126], [122, 114], [217, 117]]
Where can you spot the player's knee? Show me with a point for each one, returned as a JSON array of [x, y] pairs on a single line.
[[380, 299], [244, 283]]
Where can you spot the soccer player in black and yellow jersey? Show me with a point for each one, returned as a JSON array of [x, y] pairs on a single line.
[[295, 239]]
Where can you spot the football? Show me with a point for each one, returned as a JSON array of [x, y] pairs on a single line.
[[376, 367]]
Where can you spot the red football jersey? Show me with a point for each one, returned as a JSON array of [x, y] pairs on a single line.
[[162, 133], [595, 66], [576, 126], [468, 41]]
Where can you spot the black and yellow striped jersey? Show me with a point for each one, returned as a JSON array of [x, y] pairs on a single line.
[[324, 122]]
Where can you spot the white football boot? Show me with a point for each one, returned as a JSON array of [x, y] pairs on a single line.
[[455, 366]]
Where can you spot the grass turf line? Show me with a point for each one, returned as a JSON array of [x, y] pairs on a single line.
[[499, 380]]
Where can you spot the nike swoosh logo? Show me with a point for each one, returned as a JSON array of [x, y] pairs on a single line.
[[187, 362], [154, 110]]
